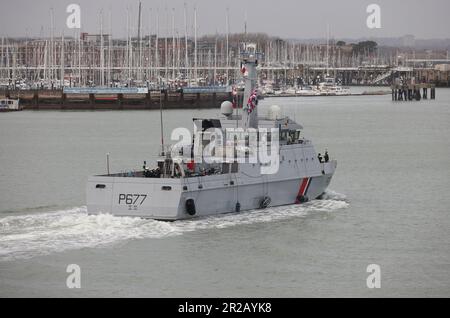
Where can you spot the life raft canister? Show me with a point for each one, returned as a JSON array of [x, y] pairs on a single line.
[[190, 207]]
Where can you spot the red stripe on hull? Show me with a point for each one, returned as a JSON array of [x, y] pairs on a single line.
[[302, 189]]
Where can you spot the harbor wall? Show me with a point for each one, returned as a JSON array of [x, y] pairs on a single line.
[[57, 100]]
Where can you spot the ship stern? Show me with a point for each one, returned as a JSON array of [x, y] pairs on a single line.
[[157, 198]]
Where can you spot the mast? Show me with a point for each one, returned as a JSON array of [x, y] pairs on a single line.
[[139, 64], [45, 59], [215, 61], [161, 121], [79, 57], [250, 60], [328, 46], [150, 61], [173, 44], [157, 46], [186, 63], [15, 52], [102, 61], [61, 61], [195, 43], [51, 43], [178, 52], [3, 55], [128, 44], [139, 21], [109, 50], [25, 61], [227, 44], [166, 49], [245, 24]]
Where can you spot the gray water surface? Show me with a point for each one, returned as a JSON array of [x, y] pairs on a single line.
[[388, 204]]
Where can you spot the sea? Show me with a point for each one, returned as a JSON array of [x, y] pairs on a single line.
[[385, 217]]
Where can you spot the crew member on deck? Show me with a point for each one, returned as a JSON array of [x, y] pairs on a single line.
[[327, 157], [320, 158]]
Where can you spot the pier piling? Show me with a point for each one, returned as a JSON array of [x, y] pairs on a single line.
[[411, 92]]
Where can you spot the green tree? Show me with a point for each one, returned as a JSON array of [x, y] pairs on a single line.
[[365, 47]]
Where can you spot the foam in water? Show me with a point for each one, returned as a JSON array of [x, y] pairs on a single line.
[[36, 234]]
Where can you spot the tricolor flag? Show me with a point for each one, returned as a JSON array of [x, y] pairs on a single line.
[[234, 94], [243, 68], [252, 102]]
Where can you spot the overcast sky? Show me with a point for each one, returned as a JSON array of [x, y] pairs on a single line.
[[285, 18]]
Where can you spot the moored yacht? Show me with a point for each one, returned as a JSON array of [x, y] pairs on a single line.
[[10, 105]]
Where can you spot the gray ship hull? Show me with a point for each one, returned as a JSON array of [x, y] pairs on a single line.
[[165, 199]]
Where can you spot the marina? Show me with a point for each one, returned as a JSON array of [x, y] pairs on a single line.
[[167, 53], [172, 62], [59, 100]]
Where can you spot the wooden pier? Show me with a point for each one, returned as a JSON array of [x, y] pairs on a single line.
[[58, 100], [411, 92]]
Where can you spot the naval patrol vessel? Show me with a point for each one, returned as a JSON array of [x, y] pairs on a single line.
[[187, 183]]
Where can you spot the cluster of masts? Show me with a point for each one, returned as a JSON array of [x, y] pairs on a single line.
[[160, 55]]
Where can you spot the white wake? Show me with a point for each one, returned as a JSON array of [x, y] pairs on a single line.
[[35, 234]]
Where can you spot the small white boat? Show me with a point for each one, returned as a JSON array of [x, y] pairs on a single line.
[[290, 91], [330, 88], [308, 91], [9, 105], [268, 90]]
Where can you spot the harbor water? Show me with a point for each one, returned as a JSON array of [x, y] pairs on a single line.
[[388, 204]]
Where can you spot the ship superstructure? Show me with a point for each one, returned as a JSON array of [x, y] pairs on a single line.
[[255, 162]]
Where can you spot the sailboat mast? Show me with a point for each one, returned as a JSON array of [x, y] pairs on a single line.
[[79, 57], [227, 44], [195, 44], [61, 61], [109, 49], [139, 64], [150, 60], [157, 46], [245, 24], [166, 49], [139, 21], [51, 44], [102, 60], [328, 46], [161, 123], [215, 60], [186, 62], [128, 45], [173, 44]]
